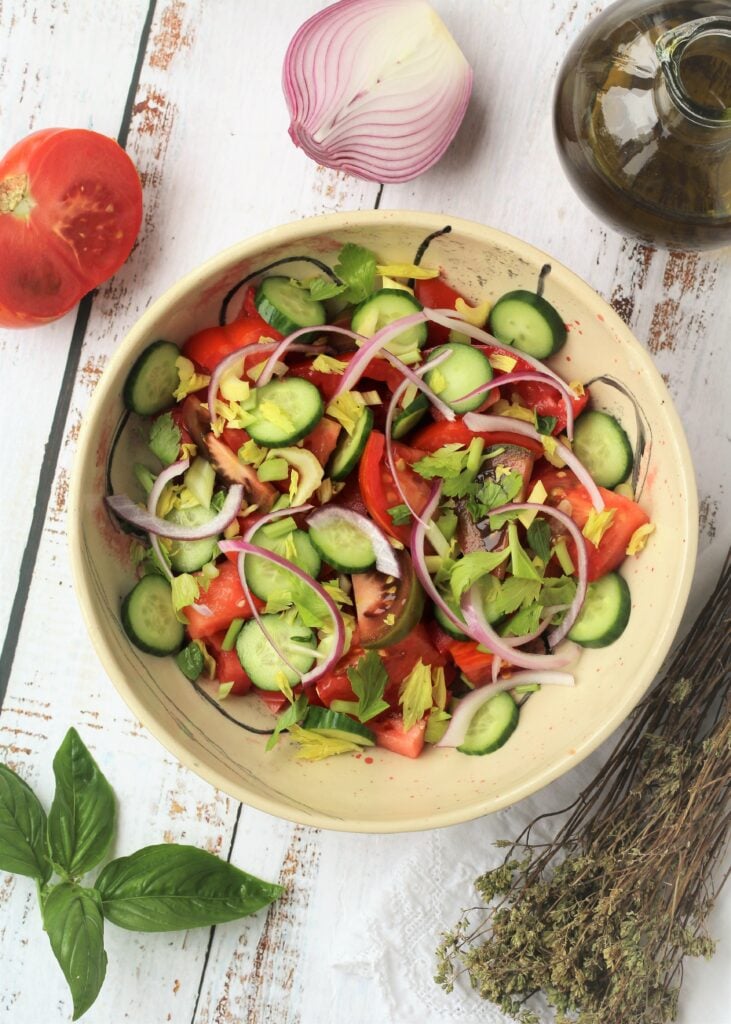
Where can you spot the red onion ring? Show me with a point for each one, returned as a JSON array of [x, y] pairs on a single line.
[[373, 346], [480, 422], [470, 705], [127, 509], [418, 536], [263, 347], [245, 548], [386, 561]]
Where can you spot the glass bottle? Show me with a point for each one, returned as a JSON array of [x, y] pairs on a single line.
[[642, 120]]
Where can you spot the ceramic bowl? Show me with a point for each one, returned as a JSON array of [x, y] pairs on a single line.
[[383, 792]]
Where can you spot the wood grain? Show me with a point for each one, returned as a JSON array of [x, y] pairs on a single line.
[[208, 134]]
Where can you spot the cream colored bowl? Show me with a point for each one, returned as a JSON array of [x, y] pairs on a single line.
[[381, 791]]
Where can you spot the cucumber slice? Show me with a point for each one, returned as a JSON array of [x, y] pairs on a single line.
[[262, 663], [153, 379], [409, 417], [266, 579], [286, 307], [491, 726], [149, 619], [603, 447], [286, 411], [338, 726], [604, 614], [190, 555], [463, 371], [529, 323], [343, 545], [350, 447], [383, 308]]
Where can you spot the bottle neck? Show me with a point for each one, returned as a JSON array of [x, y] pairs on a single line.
[[696, 64]]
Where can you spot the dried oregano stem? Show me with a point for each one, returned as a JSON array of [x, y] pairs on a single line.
[[600, 919]]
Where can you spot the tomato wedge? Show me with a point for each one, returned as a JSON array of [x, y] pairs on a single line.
[[437, 294], [226, 600], [208, 347], [377, 486], [435, 435], [475, 665], [562, 485], [70, 211], [390, 734], [228, 666]]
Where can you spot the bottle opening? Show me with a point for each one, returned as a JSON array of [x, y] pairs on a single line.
[[704, 70]]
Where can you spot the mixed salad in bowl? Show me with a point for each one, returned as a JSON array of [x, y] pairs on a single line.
[[374, 507]]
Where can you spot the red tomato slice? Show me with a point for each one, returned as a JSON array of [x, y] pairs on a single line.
[[225, 598], [390, 734], [70, 211], [628, 517], [437, 294], [547, 401], [435, 435], [322, 440], [208, 347], [377, 486], [228, 666], [475, 665]]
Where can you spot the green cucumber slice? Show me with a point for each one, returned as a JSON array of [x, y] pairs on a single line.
[[605, 612], [268, 580], [603, 447], [190, 555], [463, 371], [287, 307], [529, 323], [350, 446], [285, 412], [149, 619], [262, 663], [383, 308], [153, 379], [338, 726], [343, 546], [492, 725], [409, 417]]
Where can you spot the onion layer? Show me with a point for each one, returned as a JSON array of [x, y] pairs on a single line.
[[377, 88], [127, 509]]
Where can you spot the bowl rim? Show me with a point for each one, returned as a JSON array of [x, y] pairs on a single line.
[[299, 230]]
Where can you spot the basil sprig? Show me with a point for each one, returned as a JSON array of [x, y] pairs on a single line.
[[159, 888]]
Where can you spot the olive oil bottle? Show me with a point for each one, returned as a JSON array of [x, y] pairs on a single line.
[[642, 120]]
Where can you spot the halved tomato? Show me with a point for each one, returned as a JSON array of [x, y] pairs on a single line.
[[70, 211]]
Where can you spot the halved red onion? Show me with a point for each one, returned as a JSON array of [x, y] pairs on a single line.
[[245, 547], [386, 561], [373, 346], [560, 631], [140, 517], [541, 378], [377, 88], [453, 320], [471, 704], [478, 421]]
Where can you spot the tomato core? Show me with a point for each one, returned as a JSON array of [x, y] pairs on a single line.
[[14, 196]]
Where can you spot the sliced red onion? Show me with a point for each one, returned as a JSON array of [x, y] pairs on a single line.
[[127, 509], [480, 630], [386, 561], [480, 422], [244, 547], [555, 637], [418, 537], [541, 378], [373, 346], [471, 704], [287, 345], [230, 361], [452, 320], [377, 88]]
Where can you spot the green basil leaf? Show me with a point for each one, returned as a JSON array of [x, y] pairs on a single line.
[[81, 819], [73, 919], [22, 829], [170, 887]]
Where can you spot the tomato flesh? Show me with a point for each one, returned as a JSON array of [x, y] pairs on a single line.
[[208, 347], [391, 735], [435, 435], [228, 666], [70, 211], [226, 600], [378, 488]]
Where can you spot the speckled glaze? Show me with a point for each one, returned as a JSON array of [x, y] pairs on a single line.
[[558, 727]]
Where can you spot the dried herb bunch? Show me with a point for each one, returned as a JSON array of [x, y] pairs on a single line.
[[600, 919]]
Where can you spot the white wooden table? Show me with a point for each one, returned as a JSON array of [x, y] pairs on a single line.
[[191, 87]]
